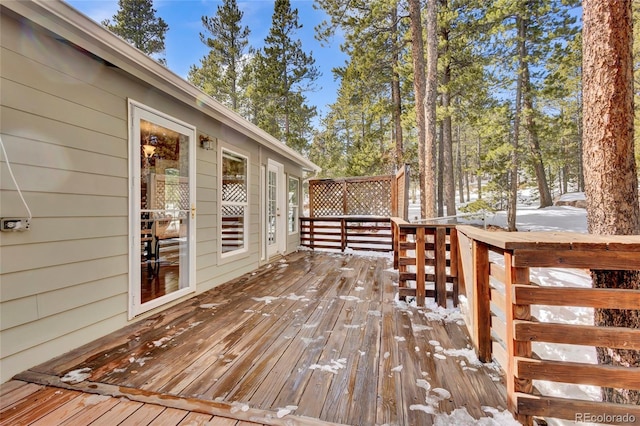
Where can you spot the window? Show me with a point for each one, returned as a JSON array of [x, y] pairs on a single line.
[[234, 203], [294, 194]]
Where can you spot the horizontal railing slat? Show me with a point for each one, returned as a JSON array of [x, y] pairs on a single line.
[[565, 408], [587, 335], [577, 373], [607, 298]]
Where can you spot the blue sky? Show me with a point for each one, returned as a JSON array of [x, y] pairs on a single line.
[[183, 46]]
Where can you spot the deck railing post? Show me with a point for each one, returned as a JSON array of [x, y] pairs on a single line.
[[343, 234], [440, 254], [421, 291], [482, 301], [453, 262], [515, 348]]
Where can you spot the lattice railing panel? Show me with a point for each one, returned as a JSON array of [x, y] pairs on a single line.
[[327, 198], [369, 198], [353, 196]]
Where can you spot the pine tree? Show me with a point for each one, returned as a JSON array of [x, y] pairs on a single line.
[[283, 74], [220, 72], [373, 39], [136, 22]]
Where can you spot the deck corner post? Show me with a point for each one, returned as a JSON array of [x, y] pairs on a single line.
[[482, 300], [515, 348]]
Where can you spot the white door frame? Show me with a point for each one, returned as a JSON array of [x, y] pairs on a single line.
[[279, 246], [137, 112]]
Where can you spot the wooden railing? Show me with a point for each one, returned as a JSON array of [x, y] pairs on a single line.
[[492, 273], [426, 254], [362, 233], [498, 314]]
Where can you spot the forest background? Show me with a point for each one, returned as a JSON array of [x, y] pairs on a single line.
[[508, 90]]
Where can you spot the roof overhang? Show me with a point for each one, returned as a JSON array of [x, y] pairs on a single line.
[[75, 27]]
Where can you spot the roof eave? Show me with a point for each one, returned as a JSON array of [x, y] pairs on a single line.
[[67, 22]]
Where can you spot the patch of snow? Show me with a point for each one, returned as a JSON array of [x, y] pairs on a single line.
[[421, 383], [573, 196], [76, 376], [359, 288], [374, 313], [208, 305], [307, 340], [399, 338], [351, 299], [158, 343], [421, 407], [266, 299], [239, 406], [314, 325], [352, 326], [296, 298], [332, 367], [286, 410], [397, 369], [468, 353], [442, 393], [439, 356], [461, 417], [420, 327]]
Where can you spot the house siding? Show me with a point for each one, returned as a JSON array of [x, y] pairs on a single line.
[[64, 124]]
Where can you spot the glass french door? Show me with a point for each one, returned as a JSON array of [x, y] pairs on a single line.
[[275, 232], [162, 209]]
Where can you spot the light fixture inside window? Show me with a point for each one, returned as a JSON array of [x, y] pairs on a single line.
[[207, 142], [148, 150]]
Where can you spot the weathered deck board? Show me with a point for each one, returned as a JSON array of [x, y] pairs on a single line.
[[56, 406], [319, 334]]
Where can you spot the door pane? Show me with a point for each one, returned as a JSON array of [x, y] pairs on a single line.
[[165, 210], [271, 207]]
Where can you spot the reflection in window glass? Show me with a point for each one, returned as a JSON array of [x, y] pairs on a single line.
[[293, 204], [234, 202]]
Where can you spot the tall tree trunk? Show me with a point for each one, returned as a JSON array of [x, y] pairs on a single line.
[[611, 180], [479, 170], [430, 98], [532, 131], [425, 172], [396, 99], [580, 139], [447, 132], [440, 165], [459, 165], [513, 170]]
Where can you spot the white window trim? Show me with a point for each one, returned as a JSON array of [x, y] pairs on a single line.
[[296, 228], [225, 257]]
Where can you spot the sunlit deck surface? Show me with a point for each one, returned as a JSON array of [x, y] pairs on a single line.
[[318, 335]]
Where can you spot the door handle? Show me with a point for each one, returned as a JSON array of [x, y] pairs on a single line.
[[193, 211]]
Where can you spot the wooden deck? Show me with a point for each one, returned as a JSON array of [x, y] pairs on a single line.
[[313, 339]]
